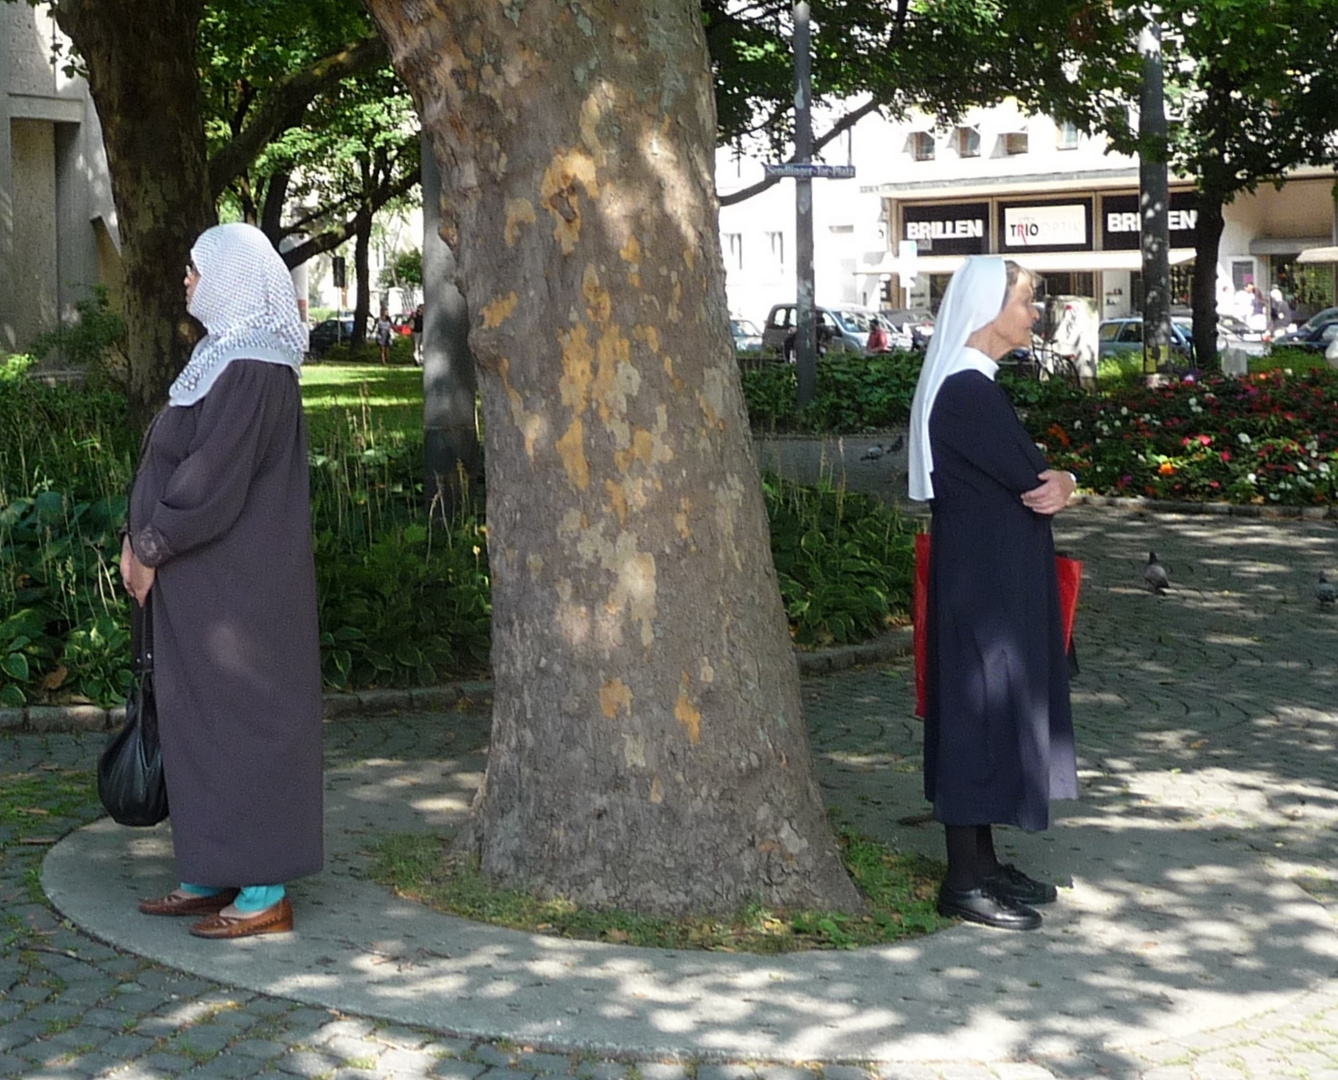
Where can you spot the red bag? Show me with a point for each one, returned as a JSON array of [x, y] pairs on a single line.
[[1068, 570]]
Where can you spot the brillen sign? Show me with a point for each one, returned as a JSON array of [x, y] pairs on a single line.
[[948, 228]]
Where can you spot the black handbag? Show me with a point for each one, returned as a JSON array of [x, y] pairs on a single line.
[[131, 784]]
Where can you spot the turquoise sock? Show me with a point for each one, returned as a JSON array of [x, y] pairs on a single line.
[[200, 890], [258, 897]]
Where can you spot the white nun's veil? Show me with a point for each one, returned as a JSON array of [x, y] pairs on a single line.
[[245, 299], [973, 300]]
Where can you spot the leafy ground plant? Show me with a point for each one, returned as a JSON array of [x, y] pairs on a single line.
[[854, 394], [1264, 439], [900, 890], [843, 559]]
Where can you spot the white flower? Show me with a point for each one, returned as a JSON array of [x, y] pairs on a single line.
[[1243, 439]]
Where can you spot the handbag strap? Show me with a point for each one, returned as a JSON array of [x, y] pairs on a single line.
[[141, 637]]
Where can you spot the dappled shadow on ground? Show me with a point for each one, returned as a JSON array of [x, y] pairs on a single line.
[[1206, 734]]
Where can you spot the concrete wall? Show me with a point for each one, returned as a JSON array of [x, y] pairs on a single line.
[[58, 233]]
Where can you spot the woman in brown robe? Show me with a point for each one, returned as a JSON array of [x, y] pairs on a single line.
[[219, 544]]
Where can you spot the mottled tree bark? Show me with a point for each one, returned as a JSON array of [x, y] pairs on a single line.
[[648, 747], [141, 74]]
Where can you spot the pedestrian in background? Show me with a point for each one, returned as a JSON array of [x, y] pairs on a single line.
[[417, 326], [384, 331]]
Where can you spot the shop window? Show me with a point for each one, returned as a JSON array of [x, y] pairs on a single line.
[[968, 141], [922, 145], [1182, 284], [1068, 282]]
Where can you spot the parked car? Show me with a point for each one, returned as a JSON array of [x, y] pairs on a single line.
[[1120, 337], [1251, 342], [746, 334], [329, 332], [1314, 334], [911, 328], [840, 329], [1236, 328]]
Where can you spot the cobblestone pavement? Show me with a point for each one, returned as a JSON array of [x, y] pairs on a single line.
[[1208, 712]]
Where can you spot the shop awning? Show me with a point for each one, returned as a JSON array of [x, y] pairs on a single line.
[[1327, 254], [1043, 262]]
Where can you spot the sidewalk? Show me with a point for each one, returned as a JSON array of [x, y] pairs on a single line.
[[1193, 936]]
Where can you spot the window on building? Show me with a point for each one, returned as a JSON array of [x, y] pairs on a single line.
[[842, 229], [1067, 136], [1015, 142], [733, 245], [922, 145], [968, 141], [1182, 284], [1070, 283], [776, 241]]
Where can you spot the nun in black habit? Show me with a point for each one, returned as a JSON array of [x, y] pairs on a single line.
[[218, 543], [998, 729]]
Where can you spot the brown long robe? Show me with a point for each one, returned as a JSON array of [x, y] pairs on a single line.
[[221, 508]]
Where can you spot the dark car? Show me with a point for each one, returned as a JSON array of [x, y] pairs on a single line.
[[1312, 335], [327, 333]]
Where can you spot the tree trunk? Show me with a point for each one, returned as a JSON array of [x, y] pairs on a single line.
[[141, 74], [450, 387], [362, 263], [648, 745], [1207, 243]]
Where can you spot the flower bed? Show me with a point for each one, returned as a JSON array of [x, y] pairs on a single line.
[[1270, 438]]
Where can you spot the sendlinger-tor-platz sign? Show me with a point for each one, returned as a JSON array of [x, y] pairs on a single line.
[[801, 170]]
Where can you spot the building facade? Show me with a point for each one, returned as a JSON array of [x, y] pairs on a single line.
[[1002, 182], [58, 233]]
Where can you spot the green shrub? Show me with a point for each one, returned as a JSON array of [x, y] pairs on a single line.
[[853, 394], [93, 342], [63, 636], [1289, 358], [844, 560]]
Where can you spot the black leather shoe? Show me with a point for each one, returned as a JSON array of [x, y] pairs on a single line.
[[987, 907], [1014, 884]]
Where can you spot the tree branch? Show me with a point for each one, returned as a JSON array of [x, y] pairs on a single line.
[[843, 125], [282, 107], [331, 238]]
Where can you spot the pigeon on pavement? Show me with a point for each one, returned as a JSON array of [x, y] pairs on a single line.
[[1155, 574], [874, 452], [897, 444], [1325, 593]]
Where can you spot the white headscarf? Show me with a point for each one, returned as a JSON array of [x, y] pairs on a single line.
[[973, 300], [246, 301]]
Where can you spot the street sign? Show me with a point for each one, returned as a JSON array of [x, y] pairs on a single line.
[[806, 171]]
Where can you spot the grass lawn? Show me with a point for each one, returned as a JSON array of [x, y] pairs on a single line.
[[387, 398]]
